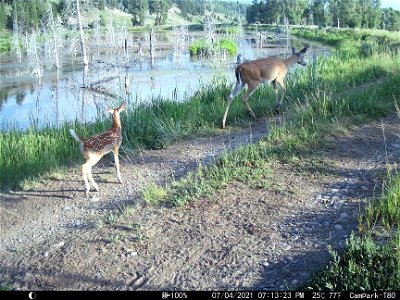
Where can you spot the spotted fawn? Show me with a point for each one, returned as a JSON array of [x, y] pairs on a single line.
[[96, 146]]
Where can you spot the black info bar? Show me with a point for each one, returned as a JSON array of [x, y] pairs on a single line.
[[203, 295]]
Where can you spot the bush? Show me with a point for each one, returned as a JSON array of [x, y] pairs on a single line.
[[199, 46], [227, 44]]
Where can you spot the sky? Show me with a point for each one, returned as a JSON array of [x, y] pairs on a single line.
[[395, 4]]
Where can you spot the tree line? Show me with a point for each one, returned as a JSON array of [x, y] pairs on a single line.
[[29, 13], [336, 13]]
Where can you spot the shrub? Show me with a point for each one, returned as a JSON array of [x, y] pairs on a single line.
[[227, 44], [199, 46]]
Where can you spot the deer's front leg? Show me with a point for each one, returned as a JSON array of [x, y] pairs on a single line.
[[116, 159]]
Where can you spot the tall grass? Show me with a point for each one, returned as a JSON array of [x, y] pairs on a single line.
[[386, 211], [204, 46], [365, 264]]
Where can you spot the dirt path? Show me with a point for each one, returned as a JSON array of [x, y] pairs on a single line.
[[53, 237]]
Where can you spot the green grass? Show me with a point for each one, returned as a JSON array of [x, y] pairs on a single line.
[[386, 211], [7, 287], [199, 46], [371, 260], [153, 194], [364, 265], [203, 46]]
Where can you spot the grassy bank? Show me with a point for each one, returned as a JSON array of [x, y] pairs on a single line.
[[358, 41]]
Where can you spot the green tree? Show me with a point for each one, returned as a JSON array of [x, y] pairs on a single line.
[[160, 9], [365, 6], [138, 9], [333, 11], [345, 9], [254, 12], [3, 16], [319, 12], [391, 18], [273, 11], [33, 15], [375, 15], [294, 10], [102, 4]]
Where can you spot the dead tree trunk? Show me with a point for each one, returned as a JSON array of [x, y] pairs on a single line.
[[85, 60]]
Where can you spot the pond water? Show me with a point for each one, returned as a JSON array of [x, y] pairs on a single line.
[[58, 97]]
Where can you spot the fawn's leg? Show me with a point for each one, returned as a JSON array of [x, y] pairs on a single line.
[[87, 171], [85, 177], [116, 159]]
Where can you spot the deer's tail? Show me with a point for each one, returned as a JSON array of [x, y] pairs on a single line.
[[75, 135], [237, 74]]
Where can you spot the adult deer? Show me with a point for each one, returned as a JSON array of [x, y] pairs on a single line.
[[96, 146], [252, 73]]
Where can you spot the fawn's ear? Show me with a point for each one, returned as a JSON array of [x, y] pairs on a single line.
[[122, 106]]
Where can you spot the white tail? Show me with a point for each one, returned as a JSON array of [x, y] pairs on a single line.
[[252, 73], [95, 147], [75, 136]]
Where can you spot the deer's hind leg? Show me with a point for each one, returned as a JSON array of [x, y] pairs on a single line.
[[236, 89], [250, 89], [91, 160], [279, 101]]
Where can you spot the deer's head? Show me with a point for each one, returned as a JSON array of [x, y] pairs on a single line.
[[115, 114], [300, 55]]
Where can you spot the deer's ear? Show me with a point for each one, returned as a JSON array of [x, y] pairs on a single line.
[[303, 50], [110, 110], [122, 107], [293, 50]]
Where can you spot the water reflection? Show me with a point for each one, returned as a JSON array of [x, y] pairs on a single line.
[[76, 93]]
